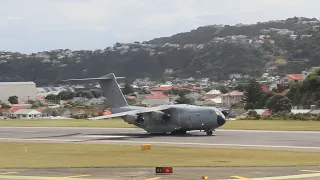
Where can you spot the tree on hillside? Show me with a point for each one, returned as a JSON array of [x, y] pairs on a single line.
[[252, 94], [96, 93], [143, 91], [223, 89], [5, 106], [279, 103], [240, 87], [51, 97], [307, 92], [13, 99], [65, 95], [182, 99], [54, 113], [127, 89], [264, 99]]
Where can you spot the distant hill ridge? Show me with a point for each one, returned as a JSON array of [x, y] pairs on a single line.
[[213, 51]]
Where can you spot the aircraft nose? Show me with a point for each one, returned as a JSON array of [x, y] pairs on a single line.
[[221, 120]]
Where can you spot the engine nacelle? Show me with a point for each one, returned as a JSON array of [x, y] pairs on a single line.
[[131, 119], [159, 116]]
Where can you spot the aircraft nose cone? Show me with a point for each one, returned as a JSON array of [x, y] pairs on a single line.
[[220, 120]]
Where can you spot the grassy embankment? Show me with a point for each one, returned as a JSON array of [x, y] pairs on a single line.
[[118, 123], [54, 155]]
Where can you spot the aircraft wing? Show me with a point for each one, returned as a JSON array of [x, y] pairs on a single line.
[[139, 111]]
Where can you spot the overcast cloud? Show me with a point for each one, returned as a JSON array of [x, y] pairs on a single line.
[[37, 25]]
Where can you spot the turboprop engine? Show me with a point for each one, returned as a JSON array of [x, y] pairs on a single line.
[[132, 119], [158, 115]]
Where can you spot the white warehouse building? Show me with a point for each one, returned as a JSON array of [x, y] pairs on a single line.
[[24, 90]]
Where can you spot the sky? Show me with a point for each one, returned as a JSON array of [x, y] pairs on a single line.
[[28, 26]]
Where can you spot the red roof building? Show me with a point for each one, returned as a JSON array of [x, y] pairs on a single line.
[[265, 88], [161, 89], [157, 96], [295, 76]]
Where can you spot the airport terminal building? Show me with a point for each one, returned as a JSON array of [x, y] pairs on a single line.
[[24, 90]]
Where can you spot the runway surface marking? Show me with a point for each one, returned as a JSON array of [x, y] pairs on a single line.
[[45, 178], [154, 178], [58, 178], [76, 176], [240, 177], [102, 136], [4, 173], [310, 171]]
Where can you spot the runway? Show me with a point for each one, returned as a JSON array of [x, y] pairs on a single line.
[[252, 139], [283, 140]]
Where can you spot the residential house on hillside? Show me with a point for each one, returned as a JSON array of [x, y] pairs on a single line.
[[285, 82], [157, 99], [306, 73], [44, 91], [213, 93], [6, 112], [22, 106], [193, 95], [217, 101], [27, 114], [160, 90], [231, 98]]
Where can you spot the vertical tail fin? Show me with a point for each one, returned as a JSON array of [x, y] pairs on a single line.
[[110, 88], [112, 91]]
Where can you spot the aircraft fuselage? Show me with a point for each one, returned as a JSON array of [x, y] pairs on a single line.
[[178, 118]]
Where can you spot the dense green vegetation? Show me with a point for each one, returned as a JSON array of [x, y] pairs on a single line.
[[304, 93], [307, 92], [194, 53]]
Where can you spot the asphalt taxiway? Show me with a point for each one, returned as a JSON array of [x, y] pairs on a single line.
[[190, 173], [252, 139]]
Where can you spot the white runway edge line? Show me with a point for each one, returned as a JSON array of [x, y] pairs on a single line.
[[299, 176], [268, 131], [159, 142], [209, 144]]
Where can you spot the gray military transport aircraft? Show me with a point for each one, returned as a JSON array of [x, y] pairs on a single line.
[[174, 119]]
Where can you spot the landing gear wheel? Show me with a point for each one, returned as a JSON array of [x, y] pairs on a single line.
[[179, 132], [209, 132]]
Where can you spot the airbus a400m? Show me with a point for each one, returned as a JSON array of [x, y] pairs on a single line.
[[174, 119]]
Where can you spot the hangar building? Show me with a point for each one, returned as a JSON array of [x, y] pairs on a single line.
[[24, 90]]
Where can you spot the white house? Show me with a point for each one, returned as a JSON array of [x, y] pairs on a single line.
[[231, 98], [157, 99], [27, 114]]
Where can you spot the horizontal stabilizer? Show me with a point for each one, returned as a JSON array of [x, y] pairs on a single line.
[[105, 77]]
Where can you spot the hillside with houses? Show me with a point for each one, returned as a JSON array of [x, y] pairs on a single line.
[[87, 100], [215, 52]]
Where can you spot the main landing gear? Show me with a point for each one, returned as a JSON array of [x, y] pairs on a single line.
[[179, 132], [209, 132]]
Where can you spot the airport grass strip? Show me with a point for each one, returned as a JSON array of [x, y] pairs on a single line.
[[64, 155], [119, 123]]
